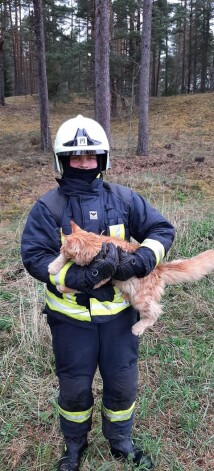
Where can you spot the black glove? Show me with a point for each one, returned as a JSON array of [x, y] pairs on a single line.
[[102, 267], [130, 264], [104, 293]]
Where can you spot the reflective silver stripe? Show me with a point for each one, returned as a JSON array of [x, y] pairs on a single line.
[[118, 230], [117, 416], [156, 247], [78, 417]]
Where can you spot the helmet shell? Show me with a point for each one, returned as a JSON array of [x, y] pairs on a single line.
[[81, 136]]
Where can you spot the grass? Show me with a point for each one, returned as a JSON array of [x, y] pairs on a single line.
[[174, 412], [176, 372]]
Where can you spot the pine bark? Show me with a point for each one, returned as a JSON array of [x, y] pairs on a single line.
[[2, 102], [43, 87], [142, 148], [183, 80], [102, 79], [189, 80]]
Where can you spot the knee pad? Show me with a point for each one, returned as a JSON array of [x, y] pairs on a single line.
[[122, 386], [75, 393]]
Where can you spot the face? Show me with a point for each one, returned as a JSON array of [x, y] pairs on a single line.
[[85, 162]]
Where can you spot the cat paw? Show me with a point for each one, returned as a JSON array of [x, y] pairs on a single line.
[[64, 289], [138, 329], [52, 269], [60, 288]]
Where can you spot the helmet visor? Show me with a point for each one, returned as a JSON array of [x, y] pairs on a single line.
[[81, 152]]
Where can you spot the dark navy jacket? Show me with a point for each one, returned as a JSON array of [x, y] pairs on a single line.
[[94, 207]]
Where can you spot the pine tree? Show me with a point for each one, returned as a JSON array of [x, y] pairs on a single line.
[[1, 73], [102, 79], [43, 88], [142, 148]]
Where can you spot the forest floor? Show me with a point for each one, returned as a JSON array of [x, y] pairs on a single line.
[[181, 148], [174, 415]]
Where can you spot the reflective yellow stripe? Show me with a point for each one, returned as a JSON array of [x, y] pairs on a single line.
[[118, 416], [156, 247], [63, 272], [59, 278], [107, 308], [78, 417], [67, 306], [117, 231], [53, 279]]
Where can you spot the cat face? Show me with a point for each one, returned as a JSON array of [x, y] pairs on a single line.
[[81, 246]]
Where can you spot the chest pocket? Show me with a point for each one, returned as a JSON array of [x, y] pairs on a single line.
[[116, 222], [118, 231]]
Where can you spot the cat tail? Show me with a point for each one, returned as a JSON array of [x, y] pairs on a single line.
[[190, 269]]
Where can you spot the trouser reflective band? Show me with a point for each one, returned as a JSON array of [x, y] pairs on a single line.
[[117, 416], [77, 417], [156, 247]]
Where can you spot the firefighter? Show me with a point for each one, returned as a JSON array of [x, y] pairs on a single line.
[[92, 327]]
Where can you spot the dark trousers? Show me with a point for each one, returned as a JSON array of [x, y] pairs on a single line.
[[79, 347]]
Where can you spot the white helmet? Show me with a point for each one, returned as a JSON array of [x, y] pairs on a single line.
[[81, 136]]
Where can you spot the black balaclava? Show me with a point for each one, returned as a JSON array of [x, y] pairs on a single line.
[[72, 173]]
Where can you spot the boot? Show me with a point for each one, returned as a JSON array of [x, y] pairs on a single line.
[[123, 448], [70, 461]]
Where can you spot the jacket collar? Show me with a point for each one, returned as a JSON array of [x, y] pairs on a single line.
[[77, 187]]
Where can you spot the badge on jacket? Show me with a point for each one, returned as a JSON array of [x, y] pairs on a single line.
[[93, 215]]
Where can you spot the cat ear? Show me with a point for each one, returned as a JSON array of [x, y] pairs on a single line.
[[74, 227]]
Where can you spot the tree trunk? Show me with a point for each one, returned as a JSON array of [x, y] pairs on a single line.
[[166, 66], [113, 98], [31, 85], [43, 88], [142, 148], [205, 46], [190, 52], [183, 81], [22, 60], [2, 102], [158, 71], [212, 77], [153, 74], [17, 52], [195, 61], [102, 79]]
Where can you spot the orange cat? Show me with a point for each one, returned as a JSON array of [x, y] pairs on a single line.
[[143, 293]]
